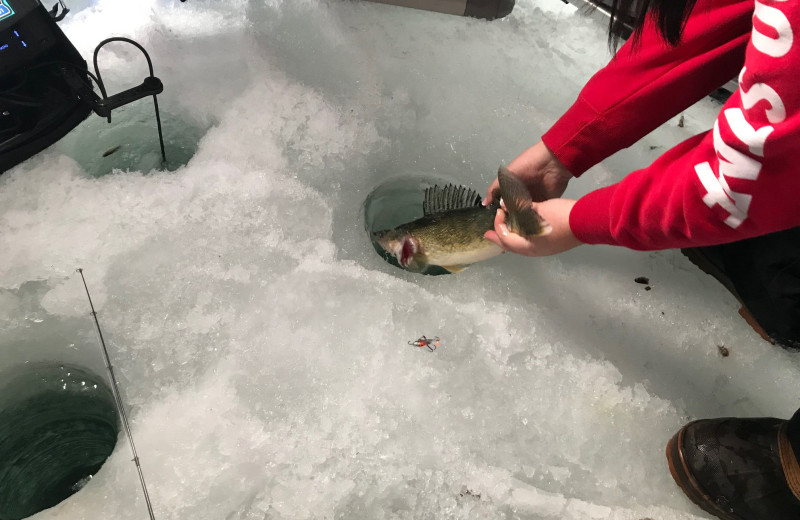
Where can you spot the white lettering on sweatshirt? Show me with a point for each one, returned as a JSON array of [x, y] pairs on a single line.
[[731, 162]]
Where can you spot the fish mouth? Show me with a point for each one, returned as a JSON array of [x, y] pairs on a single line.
[[407, 251], [403, 248]]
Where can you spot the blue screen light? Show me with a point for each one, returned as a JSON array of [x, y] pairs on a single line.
[[5, 10], [4, 47]]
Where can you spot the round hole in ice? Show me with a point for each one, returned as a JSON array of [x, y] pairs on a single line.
[[130, 141], [396, 202], [58, 425]]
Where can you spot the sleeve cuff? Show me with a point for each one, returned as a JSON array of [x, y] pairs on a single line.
[[590, 219]]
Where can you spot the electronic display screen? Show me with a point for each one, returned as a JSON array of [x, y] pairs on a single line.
[[6, 11]]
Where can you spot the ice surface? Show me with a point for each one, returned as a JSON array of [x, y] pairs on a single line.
[[260, 342]]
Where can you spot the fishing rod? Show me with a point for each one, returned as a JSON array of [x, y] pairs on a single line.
[[118, 399]]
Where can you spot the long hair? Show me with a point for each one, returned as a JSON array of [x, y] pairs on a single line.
[[630, 15]]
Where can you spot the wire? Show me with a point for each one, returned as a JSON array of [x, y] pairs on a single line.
[[65, 63]]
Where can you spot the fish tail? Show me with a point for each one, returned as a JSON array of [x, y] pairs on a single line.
[[522, 218]]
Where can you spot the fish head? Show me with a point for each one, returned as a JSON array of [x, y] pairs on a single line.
[[403, 246]]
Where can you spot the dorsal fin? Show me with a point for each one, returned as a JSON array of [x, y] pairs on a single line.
[[439, 200]]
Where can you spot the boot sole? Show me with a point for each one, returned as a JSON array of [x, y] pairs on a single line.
[[684, 479]]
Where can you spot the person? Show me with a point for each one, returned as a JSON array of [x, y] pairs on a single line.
[[727, 197]]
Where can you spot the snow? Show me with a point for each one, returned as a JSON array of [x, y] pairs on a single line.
[[261, 343]]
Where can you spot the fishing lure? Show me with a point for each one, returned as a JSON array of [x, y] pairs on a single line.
[[430, 343]]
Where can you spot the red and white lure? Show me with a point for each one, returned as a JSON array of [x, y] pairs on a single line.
[[430, 343]]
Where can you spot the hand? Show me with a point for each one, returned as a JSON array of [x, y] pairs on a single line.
[[560, 239], [540, 170]]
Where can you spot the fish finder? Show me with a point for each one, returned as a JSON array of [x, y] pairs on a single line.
[[45, 84], [36, 106], [26, 32]]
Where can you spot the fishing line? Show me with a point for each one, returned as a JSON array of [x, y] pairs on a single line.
[[118, 399]]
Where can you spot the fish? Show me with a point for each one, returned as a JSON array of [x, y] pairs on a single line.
[[112, 150], [450, 232]]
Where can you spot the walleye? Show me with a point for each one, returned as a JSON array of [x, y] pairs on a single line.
[[450, 232]]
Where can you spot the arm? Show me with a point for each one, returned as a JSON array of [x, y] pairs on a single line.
[[651, 79], [737, 181]]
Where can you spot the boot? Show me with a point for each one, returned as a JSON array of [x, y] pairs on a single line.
[[737, 469]]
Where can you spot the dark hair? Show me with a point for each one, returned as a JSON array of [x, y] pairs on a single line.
[[630, 15]]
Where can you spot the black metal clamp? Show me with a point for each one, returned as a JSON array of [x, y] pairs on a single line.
[[102, 106]]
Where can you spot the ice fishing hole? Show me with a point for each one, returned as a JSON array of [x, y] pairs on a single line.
[[130, 141], [58, 425], [395, 202]]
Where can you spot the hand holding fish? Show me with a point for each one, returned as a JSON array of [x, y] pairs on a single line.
[[541, 172], [560, 239]]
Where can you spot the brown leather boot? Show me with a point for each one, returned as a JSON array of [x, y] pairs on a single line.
[[737, 469]]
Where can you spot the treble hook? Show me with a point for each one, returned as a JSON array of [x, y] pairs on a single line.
[[426, 342]]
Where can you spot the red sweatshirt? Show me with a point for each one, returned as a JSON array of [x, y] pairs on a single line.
[[740, 179]]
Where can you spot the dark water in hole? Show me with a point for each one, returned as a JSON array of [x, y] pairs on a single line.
[[58, 425], [130, 141]]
